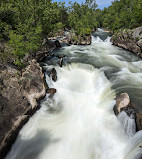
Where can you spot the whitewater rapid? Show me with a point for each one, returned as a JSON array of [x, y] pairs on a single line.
[[79, 122]]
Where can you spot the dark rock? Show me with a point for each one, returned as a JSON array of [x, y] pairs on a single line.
[[46, 47], [54, 74], [139, 121], [130, 40], [51, 91], [74, 39], [61, 62], [57, 44], [60, 56], [115, 110], [130, 110]]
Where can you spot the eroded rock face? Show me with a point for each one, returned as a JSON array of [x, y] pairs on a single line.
[[122, 101], [130, 40], [32, 82], [19, 96]]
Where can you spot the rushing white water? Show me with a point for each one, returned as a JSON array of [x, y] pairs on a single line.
[[79, 123], [128, 124]]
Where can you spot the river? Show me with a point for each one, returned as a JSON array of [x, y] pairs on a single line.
[[79, 122]]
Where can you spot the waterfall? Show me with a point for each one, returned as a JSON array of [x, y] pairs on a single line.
[[128, 124], [79, 122]]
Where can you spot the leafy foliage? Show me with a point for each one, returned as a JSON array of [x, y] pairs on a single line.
[[82, 17], [24, 23], [122, 14]]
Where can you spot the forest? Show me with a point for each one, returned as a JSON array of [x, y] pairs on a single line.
[[25, 23]]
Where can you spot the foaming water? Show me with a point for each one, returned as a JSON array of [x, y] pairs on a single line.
[[128, 124], [122, 68], [79, 123]]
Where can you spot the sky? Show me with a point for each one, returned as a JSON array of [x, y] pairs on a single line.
[[101, 3]]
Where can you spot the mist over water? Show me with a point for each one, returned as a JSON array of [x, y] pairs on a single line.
[[79, 123]]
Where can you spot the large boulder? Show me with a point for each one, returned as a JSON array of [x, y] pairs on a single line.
[[122, 101], [20, 93], [129, 39]]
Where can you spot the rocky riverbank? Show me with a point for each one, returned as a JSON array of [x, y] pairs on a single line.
[[129, 39], [74, 39], [19, 98], [20, 94], [21, 91], [71, 38]]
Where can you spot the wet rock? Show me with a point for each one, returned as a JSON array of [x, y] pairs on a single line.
[[139, 121], [130, 40], [51, 91], [54, 74], [122, 101], [61, 62]]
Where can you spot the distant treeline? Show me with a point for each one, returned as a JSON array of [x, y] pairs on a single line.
[[25, 23], [122, 14]]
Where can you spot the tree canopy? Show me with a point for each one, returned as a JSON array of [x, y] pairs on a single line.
[[24, 23], [122, 14]]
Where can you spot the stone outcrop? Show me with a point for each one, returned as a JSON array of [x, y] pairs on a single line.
[[72, 38], [20, 93], [129, 39]]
